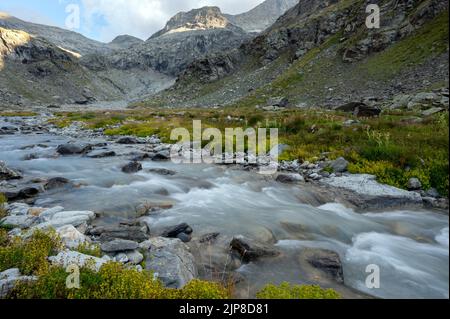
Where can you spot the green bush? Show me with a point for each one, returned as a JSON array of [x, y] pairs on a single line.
[[30, 255], [288, 291], [113, 281], [89, 249]]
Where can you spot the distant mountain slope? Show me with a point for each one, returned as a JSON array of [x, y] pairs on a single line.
[[262, 16], [186, 37], [66, 39], [321, 53], [124, 42]]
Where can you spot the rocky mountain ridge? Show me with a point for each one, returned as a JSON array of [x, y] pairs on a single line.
[[321, 53]]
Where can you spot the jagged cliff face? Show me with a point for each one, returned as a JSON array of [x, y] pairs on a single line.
[[262, 16], [122, 42], [321, 53]]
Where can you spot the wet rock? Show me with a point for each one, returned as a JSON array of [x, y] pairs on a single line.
[[25, 193], [121, 231], [56, 182], [162, 171], [185, 238], [7, 173], [182, 231], [432, 192], [436, 203], [132, 167], [339, 165], [364, 191], [298, 231], [71, 237], [414, 184], [290, 178], [9, 279], [162, 156], [73, 149], [30, 157], [208, 238], [101, 154], [326, 260], [141, 157], [119, 245], [128, 140], [68, 257], [170, 260], [251, 250]]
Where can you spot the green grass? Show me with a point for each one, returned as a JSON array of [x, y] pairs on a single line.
[[430, 40], [389, 146], [288, 291]]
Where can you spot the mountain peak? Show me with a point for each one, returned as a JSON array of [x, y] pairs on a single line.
[[204, 18]]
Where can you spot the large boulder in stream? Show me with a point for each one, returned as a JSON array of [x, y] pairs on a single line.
[[56, 182], [170, 260], [73, 149], [132, 167], [131, 231], [7, 173]]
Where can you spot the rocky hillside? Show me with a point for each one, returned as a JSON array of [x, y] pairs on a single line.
[[65, 39], [35, 71], [321, 53], [262, 16]]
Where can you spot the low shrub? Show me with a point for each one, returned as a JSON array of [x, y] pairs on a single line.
[[288, 291]]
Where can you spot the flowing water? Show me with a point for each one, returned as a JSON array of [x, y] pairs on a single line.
[[411, 248]]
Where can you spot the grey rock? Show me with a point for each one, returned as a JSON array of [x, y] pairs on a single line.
[[432, 111], [432, 192], [251, 250], [134, 257], [162, 156], [290, 178], [68, 257], [56, 182], [132, 167], [119, 245], [128, 140], [9, 279], [102, 154], [339, 165], [22, 194], [122, 231], [162, 171], [173, 232], [170, 260], [72, 149], [7, 173], [327, 261], [414, 184]]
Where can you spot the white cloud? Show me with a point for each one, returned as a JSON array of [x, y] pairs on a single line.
[[142, 18]]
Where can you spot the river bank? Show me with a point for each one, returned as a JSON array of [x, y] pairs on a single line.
[[235, 223]]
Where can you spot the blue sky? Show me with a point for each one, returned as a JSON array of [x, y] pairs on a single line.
[[105, 19]]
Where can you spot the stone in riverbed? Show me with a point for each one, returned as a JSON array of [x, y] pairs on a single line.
[[175, 231], [20, 221], [119, 245], [250, 250], [162, 171], [170, 260], [162, 156], [25, 193], [132, 167], [56, 182], [127, 140], [7, 173], [326, 260], [60, 219], [290, 178], [73, 149], [101, 154]]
